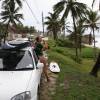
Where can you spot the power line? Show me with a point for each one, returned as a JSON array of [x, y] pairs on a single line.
[[32, 11], [36, 5]]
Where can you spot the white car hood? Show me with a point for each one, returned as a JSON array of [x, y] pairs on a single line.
[[13, 83]]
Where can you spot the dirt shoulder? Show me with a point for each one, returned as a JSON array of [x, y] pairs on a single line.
[[48, 89]]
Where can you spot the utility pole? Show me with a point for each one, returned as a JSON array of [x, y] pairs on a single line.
[[43, 23]]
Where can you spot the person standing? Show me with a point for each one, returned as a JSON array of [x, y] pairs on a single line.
[[39, 52]]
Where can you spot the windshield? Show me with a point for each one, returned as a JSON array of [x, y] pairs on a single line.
[[15, 60]]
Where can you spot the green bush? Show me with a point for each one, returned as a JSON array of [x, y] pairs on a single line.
[[87, 53], [68, 52], [51, 43], [65, 43]]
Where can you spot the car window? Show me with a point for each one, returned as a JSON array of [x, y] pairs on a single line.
[[26, 61], [15, 60]]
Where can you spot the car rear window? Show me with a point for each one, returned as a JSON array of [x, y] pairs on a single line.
[[15, 60]]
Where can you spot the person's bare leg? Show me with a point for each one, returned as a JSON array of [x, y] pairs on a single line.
[[43, 60], [45, 71]]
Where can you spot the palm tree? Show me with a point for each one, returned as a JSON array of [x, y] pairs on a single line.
[[53, 24], [10, 16], [92, 23], [76, 9]]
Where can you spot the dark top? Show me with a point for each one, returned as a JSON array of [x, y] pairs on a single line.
[[38, 49]]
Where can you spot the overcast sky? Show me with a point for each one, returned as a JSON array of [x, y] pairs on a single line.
[[43, 5], [38, 6]]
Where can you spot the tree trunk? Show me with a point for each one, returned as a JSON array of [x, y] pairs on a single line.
[[80, 45], [4, 38], [76, 44], [90, 39], [96, 67], [55, 37], [54, 34], [80, 41], [6, 33], [94, 45]]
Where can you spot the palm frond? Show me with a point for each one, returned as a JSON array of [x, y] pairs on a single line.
[[19, 2], [65, 14], [59, 7], [18, 21], [16, 10], [18, 16], [5, 17]]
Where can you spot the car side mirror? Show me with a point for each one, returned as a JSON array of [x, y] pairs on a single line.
[[40, 65]]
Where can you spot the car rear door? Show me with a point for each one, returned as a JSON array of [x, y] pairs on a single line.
[[38, 70]]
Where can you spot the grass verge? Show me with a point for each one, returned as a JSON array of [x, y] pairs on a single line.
[[74, 81]]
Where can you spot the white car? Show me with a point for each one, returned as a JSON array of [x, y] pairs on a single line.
[[20, 73]]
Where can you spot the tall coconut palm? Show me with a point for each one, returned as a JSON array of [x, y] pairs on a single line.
[[53, 24], [10, 16], [92, 22], [76, 9]]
